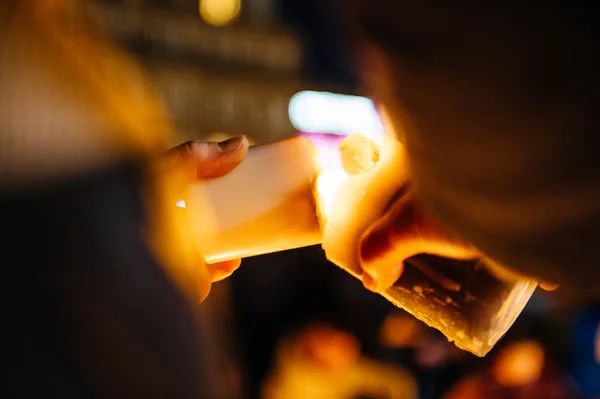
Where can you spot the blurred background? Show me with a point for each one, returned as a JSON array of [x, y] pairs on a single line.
[[291, 325]]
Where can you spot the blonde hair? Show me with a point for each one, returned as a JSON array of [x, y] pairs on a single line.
[[56, 76]]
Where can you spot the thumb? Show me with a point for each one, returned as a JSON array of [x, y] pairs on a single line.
[[204, 160], [403, 232]]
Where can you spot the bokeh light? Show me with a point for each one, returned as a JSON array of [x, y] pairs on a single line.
[[219, 12], [518, 364], [324, 112]]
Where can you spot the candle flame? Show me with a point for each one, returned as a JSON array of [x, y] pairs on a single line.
[[327, 185], [332, 174]]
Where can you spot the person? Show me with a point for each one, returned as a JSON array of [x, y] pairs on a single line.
[[496, 104], [519, 369], [321, 361], [100, 283]]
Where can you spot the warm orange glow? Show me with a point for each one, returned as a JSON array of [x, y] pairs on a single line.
[[329, 348], [332, 174], [519, 364], [327, 185], [400, 331]]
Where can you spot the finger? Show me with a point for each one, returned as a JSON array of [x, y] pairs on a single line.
[[403, 232], [208, 159], [222, 270], [548, 286]]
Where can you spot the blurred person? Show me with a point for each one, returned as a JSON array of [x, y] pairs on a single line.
[[520, 369], [496, 103], [276, 295], [435, 362], [324, 362], [515, 364], [100, 282]]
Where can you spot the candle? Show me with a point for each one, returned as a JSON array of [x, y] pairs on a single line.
[[264, 205], [288, 195], [459, 298], [373, 170]]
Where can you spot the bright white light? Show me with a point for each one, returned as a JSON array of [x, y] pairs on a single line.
[[180, 203], [323, 112]]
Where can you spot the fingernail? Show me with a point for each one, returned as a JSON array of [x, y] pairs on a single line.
[[232, 145]]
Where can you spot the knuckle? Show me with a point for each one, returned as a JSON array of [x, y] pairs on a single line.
[[376, 243]]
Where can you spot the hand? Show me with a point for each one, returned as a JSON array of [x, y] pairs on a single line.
[[407, 230], [204, 160], [169, 234], [404, 231]]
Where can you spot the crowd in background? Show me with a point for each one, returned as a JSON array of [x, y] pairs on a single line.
[[296, 311]]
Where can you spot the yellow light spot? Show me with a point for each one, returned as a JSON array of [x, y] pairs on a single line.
[[219, 12]]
